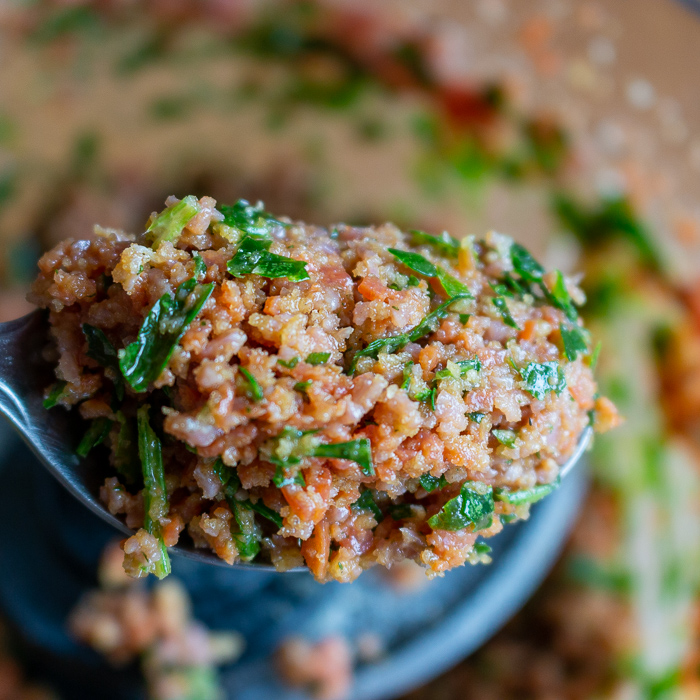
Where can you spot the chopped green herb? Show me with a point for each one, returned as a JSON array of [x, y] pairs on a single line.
[[400, 511], [427, 395], [359, 451], [289, 364], [286, 451], [126, 451], [169, 224], [415, 262], [476, 416], [559, 296], [101, 350], [459, 369], [271, 515], [249, 218], [200, 267], [396, 342], [318, 358], [524, 264], [505, 437], [254, 389], [55, 394], [532, 495], [595, 355], [303, 386], [444, 243], [282, 478], [423, 266], [155, 495], [464, 319], [142, 361], [431, 483], [574, 340], [245, 531], [253, 258], [481, 548], [502, 306], [407, 374], [542, 377], [473, 506], [96, 433], [366, 502]]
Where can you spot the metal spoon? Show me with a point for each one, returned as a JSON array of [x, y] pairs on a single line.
[[25, 374]]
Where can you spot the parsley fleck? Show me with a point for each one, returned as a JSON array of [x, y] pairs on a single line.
[[142, 361], [502, 306], [532, 495], [55, 394], [96, 433], [289, 364], [505, 437], [476, 416], [431, 483], [255, 391], [169, 224], [366, 502], [473, 506], [407, 375], [542, 377], [249, 218], [101, 350], [359, 451], [423, 266], [400, 511], [303, 386], [524, 264], [444, 243], [200, 267], [464, 319], [427, 395], [252, 257], [574, 340], [318, 358]]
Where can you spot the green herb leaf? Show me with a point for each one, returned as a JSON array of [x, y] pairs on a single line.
[[542, 377], [250, 218], [254, 389], [444, 243], [427, 395], [430, 323], [142, 361], [505, 437], [359, 451], [431, 483], [574, 340], [452, 285], [55, 394], [200, 267], [318, 358], [407, 374], [366, 502], [502, 306], [524, 264], [96, 433], [559, 296], [476, 416], [481, 548], [271, 515], [473, 506], [415, 262], [169, 224], [101, 350], [401, 511], [155, 495], [252, 257], [464, 319], [532, 495], [282, 478], [303, 386], [289, 364]]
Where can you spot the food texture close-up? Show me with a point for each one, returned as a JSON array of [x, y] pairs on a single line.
[[350, 350]]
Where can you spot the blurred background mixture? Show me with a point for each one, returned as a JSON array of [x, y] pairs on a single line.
[[571, 125]]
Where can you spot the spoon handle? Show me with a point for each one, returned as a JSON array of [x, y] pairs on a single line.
[[21, 344]]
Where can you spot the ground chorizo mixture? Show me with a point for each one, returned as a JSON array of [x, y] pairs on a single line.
[[338, 397]]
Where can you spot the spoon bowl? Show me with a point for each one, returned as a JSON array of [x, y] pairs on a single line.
[[51, 435]]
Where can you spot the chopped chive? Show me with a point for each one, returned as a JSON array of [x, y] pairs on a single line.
[[444, 243], [359, 451], [289, 364], [254, 389], [431, 483], [96, 434], [55, 394], [318, 358], [505, 437], [366, 502], [502, 306], [531, 495], [303, 386], [169, 224], [102, 351]]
